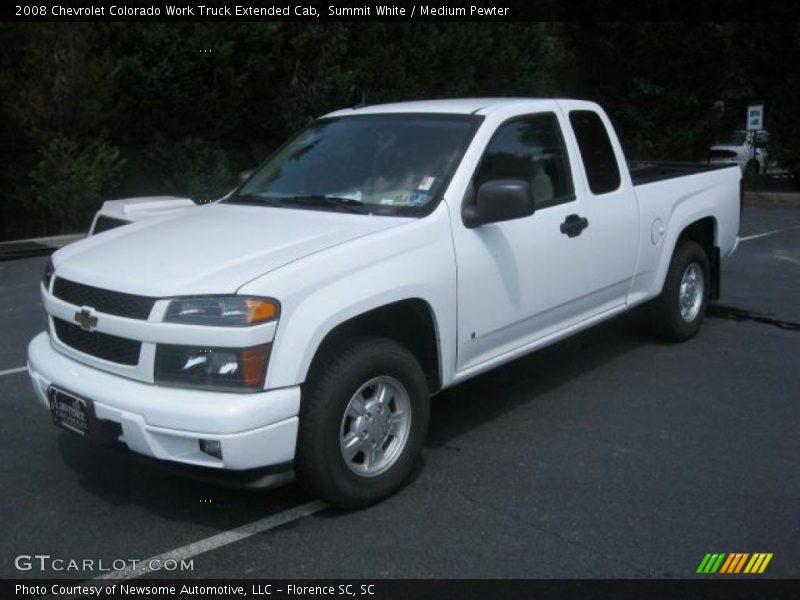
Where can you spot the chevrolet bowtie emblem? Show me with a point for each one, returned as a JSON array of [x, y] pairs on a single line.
[[85, 319]]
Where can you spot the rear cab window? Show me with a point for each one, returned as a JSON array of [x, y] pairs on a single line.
[[599, 160]]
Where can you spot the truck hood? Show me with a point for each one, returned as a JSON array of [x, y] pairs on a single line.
[[211, 249]]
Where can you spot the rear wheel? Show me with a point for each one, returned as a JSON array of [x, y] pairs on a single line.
[[363, 420], [679, 310]]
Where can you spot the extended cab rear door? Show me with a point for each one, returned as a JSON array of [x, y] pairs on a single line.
[[611, 209]]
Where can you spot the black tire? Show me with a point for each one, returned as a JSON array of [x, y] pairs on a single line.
[[666, 308], [319, 462], [752, 173]]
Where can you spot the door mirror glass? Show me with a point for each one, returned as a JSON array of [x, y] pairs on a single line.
[[499, 200]]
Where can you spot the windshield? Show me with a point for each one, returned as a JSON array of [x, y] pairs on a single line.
[[381, 164], [734, 138]]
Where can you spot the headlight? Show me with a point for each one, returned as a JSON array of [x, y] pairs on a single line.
[[48, 274], [224, 369], [235, 311]]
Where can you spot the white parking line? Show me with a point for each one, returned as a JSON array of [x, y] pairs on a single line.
[[747, 238], [12, 371], [219, 540]]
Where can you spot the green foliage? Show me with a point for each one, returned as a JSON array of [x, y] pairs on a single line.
[[658, 81], [782, 89], [191, 104], [71, 180]]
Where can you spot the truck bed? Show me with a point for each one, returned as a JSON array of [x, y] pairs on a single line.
[[649, 171]]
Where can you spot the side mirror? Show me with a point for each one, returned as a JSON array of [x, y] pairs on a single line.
[[498, 200], [245, 175]]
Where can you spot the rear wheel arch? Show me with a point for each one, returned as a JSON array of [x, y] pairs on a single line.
[[677, 312], [704, 232]]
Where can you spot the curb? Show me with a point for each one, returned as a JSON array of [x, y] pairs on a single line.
[[35, 246], [785, 199]]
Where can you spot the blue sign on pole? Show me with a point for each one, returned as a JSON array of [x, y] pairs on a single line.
[[755, 117]]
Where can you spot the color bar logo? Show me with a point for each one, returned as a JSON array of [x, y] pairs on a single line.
[[737, 562]]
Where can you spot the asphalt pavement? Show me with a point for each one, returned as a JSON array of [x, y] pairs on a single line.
[[607, 455]]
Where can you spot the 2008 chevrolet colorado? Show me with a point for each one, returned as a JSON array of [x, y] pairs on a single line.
[[300, 324]]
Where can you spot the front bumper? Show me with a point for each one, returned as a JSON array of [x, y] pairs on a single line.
[[254, 430]]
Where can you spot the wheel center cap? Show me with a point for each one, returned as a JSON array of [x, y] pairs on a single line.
[[374, 426], [378, 427]]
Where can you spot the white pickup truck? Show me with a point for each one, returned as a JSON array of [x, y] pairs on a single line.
[[299, 326], [748, 149]]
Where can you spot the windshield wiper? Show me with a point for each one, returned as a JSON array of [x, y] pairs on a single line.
[[254, 199], [349, 204]]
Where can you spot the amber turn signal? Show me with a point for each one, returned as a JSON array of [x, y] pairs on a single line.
[[259, 310]]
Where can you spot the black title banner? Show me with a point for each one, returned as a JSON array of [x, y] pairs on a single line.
[[476, 10], [401, 589]]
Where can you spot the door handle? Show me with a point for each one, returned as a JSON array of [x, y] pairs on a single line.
[[573, 225]]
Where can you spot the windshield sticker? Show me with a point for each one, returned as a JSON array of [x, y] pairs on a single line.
[[426, 183], [404, 199], [349, 195]]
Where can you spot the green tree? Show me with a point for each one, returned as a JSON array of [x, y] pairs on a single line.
[[194, 168], [189, 104], [71, 180]]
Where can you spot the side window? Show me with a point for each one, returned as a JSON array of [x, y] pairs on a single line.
[[599, 161], [530, 148]]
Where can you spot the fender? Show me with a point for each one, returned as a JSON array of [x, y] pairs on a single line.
[[412, 261], [710, 201]]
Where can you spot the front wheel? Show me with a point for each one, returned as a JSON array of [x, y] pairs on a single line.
[[363, 420], [680, 308]]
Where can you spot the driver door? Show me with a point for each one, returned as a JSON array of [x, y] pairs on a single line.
[[523, 279]]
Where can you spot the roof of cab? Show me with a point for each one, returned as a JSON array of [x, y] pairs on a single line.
[[463, 106]]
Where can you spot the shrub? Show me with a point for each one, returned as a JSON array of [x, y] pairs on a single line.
[[71, 180], [194, 168]]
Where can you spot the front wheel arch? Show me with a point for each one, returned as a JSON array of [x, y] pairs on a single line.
[[410, 322]]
